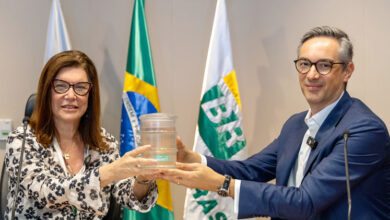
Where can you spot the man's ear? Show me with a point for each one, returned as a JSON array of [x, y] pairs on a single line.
[[348, 71]]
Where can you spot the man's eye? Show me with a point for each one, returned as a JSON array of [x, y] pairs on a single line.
[[305, 64], [325, 64]]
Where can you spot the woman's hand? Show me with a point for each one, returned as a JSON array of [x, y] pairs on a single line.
[[127, 166]]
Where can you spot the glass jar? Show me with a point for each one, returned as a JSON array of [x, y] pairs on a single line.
[[158, 130]]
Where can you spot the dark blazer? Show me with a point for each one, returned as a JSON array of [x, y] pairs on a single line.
[[322, 194]]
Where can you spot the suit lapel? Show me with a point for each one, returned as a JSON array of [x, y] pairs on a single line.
[[327, 129], [293, 141]]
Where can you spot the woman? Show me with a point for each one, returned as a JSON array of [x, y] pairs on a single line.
[[71, 165]]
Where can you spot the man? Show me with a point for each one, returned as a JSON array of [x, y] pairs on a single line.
[[307, 159]]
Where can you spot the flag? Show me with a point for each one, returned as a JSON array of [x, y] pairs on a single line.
[[57, 39], [140, 97], [219, 131]]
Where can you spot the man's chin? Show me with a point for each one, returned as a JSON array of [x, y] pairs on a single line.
[[312, 96], [313, 99]]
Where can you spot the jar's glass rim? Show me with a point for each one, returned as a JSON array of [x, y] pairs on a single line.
[[158, 116]]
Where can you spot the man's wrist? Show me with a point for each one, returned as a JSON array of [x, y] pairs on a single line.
[[232, 188], [224, 188]]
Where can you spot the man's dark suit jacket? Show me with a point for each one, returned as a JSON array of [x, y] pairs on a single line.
[[322, 194]]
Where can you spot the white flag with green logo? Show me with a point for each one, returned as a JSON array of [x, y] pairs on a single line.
[[219, 132], [57, 38]]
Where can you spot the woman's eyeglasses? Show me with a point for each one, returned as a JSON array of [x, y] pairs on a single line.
[[80, 88]]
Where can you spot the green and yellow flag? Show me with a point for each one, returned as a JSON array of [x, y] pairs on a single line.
[[219, 132], [140, 97]]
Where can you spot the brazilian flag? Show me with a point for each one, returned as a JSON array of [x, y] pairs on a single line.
[[140, 96]]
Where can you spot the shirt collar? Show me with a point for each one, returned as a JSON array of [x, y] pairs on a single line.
[[315, 121]]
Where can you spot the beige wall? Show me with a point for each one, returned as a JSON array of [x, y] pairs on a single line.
[[264, 37]]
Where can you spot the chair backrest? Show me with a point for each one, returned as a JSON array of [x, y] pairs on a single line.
[[115, 210], [4, 191], [4, 174]]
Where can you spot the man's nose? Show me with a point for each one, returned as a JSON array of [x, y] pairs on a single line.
[[313, 73]]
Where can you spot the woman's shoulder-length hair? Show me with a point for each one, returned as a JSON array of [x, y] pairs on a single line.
[[42, 118]]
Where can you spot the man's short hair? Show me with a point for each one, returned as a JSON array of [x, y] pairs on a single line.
[[346, 48]]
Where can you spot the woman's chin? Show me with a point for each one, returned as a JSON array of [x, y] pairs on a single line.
[[69, 118]]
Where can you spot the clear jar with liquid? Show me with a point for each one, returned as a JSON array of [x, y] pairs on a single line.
[[158, 130]]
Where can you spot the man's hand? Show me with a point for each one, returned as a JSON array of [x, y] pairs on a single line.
[[194, 175], [185, 155]]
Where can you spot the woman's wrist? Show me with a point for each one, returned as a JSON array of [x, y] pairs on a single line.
[[145, 182], [106, 175]]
